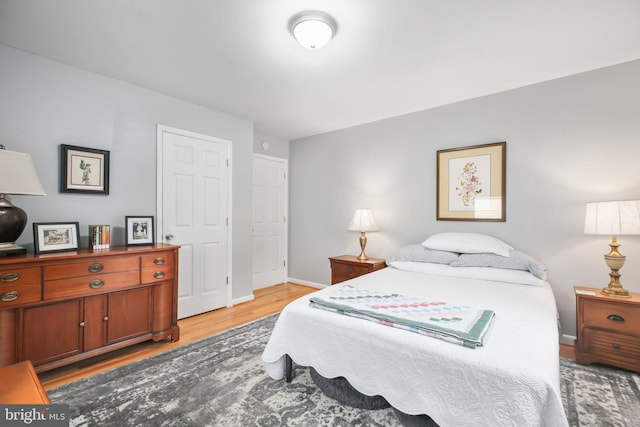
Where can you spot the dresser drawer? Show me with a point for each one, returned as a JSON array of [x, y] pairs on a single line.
[[14, 295], [89, 285], [95, 266], [158, 274], [611, 345], [18, 276], [162, 259], [611, 316]]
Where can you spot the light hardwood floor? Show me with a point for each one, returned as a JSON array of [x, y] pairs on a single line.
[[267, 301]]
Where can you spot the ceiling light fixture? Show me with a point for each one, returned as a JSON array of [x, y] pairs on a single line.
[[313, 29]]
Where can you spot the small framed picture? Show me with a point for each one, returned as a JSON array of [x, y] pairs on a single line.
[[471, 183], [139, 230], [55, 236], [84, 170]]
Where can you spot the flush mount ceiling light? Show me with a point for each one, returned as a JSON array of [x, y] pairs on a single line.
[[312, 29]]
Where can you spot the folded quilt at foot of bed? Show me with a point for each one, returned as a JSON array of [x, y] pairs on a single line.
[[458, 324]]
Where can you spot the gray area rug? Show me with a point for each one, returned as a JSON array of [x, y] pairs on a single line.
[[220, 381]]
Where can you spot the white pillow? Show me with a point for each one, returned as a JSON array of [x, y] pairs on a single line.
[[519, 277], [467, 243]]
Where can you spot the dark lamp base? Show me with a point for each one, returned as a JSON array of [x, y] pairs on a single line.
[[15, 250]]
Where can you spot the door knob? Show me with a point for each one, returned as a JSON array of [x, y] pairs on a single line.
[[168, 236]]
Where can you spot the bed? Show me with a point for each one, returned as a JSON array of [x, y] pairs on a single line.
[[512, 379]]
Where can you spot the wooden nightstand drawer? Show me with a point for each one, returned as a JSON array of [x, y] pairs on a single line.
[[611, 316], [347, 271], [347, 267], [612, 345]]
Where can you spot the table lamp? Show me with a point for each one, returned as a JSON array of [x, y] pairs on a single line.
[[17, 176], [614, 219], [363, 222]]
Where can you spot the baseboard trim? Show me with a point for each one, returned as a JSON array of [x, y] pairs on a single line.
[[240, 300], [306, 283]]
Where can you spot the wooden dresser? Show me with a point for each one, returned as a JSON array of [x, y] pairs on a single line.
[[59, 308], [608, 329], [345, 267]]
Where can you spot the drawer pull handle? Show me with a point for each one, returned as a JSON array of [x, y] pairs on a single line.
[[96, 284], [349, 270], [158, 261], [615, 318], [96, 267], [158, 275], [616, 346], [9, 277], [82, 324], [105, 319], [9, 296]]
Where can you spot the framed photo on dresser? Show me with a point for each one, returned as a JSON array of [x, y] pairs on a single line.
[[139, 230], [55, 236]]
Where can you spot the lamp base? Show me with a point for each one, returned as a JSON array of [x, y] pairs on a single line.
[[616, 292], [615, 260], [363, 244], [10, 250]]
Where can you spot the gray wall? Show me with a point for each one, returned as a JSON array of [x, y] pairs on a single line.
[[46, 103], [569, 141]]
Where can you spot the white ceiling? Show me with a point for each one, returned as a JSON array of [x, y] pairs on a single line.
[[389, 57]]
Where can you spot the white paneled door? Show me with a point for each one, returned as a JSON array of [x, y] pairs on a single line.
[[193, 212], [269, 221]]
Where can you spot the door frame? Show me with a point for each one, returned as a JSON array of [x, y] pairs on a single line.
[[159, 188], [286, 210]]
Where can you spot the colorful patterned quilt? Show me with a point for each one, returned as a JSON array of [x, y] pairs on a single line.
[[459, 324]]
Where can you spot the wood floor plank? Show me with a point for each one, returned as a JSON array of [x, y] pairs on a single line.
[[266, 301]]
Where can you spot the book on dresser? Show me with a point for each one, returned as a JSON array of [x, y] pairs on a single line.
[[99, 236]]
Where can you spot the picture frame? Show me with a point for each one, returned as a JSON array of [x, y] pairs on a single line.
[[471, 183], [139, 230], [84, 170], [55, 236]]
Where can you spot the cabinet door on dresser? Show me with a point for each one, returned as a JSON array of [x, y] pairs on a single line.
[[129, 314], [53, 331], [114, 317]]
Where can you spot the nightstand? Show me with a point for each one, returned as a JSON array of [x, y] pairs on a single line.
[[608, 329], [347, 267]]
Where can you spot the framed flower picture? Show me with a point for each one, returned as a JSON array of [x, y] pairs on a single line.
[[471, 183]]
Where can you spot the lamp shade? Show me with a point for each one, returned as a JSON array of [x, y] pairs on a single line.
[[18, 175], [363, 221], [613, 218]]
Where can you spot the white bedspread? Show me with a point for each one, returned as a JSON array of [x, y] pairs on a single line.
[[512, 381]]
